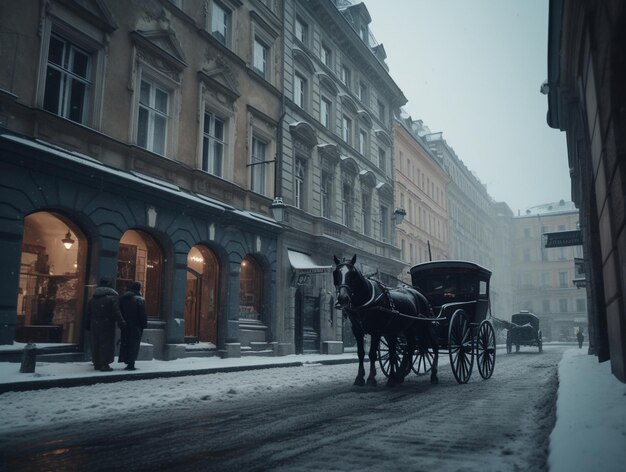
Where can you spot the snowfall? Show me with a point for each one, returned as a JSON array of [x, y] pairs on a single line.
[[589, 435]]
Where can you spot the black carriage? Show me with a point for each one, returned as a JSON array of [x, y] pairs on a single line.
[[523, 331], [458, 292]]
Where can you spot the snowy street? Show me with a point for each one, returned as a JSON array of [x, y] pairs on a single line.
[[294, 418]]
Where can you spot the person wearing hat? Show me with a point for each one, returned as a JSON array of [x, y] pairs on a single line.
[[103, 311], [133, 308]]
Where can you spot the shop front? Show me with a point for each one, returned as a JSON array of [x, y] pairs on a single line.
[[69, 221]]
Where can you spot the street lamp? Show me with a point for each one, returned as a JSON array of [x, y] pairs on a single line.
[[278, 209], [398, 215]]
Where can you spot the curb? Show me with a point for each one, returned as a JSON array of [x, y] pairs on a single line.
[[91, 380]]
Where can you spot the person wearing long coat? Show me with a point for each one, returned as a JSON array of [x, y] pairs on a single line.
[[103, 311], [133, 308]]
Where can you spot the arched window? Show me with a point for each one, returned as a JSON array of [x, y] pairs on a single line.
[[52, 280], [140, 258]]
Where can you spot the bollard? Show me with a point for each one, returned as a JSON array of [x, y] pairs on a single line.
[[29, 359]]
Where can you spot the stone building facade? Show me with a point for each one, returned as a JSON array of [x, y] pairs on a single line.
[[335, 175], [586, 99], [126, 134]]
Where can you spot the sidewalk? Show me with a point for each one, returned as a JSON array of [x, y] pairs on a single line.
[[589, 435]]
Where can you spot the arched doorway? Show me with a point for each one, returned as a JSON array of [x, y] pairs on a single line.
[[52, 280], [140, 258], [201, 304]]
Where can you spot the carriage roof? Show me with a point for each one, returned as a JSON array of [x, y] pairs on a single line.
[[524, 317], [450, 267]]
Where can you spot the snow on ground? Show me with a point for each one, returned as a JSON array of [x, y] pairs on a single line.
[[590, 432], [38, 408]]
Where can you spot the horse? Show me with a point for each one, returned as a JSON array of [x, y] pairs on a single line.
[[379, 311]]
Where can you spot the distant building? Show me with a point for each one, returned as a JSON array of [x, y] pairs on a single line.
[[543, 278], [421, 191]]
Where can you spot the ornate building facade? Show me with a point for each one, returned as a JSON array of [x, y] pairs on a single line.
[[127, 130], [335, 176]]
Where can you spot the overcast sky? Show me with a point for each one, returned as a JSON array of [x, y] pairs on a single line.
[[473, 69]]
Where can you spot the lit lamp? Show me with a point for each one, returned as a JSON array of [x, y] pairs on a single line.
[[67, 241], [278, 209], [398, 215]]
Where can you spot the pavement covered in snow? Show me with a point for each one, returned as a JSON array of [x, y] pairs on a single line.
[[590, 431]]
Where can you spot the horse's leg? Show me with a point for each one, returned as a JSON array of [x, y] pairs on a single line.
[[407, 356], [393, 360], [374, 343], [435, 345], [360, 349]]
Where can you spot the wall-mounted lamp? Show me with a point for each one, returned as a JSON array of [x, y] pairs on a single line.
[[278, 209], [67, 241], [151, 215], [398, 215]]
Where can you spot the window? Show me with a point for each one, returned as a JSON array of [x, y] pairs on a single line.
[[525, 255], [381, 111], [563, 305], [362, 142], [300, 91], [259, 59], [362, 92], [325, 112], [363, 33], [563, 279], [257, 167], [382, 159], [299, 184], [347, 130], [221, 23], [403, 250], [546, 306], [213, 145], [346, 76], [153, 117], [366, 213], [68, 80], [581, 305], [325, 193], [384, 223], [326, 56], [346, 197], [302, 30]]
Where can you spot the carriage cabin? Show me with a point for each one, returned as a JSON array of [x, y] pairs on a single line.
[[454, 282]]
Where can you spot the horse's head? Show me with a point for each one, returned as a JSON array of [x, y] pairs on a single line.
[[344, 278]]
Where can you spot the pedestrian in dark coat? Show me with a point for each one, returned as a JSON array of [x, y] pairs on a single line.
[[103, 311], [581, 338], [133, 308]]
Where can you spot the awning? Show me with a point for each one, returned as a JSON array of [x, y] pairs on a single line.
[[302, 263]]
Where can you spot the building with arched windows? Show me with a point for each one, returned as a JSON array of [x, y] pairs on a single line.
[[130, 135]]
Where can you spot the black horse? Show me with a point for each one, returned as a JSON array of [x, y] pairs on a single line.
[[379, 311]]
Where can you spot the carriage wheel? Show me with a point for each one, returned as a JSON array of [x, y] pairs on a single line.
[[383, 355], [423, 361], [485, 349], [509, 346], [461, 347]]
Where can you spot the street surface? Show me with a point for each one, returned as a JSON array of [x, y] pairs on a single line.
[[500, 424]]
